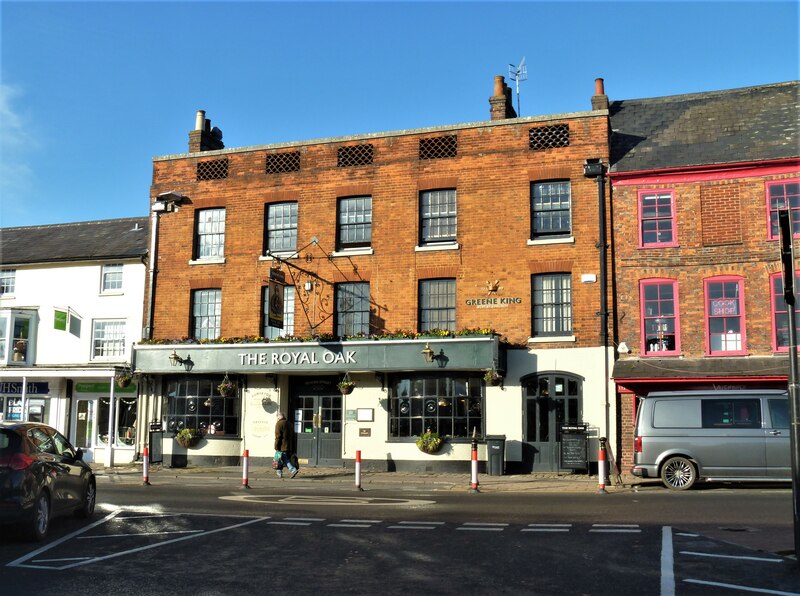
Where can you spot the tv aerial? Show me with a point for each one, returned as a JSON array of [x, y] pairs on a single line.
[[518, 74]]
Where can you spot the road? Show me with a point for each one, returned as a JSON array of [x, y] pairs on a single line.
[[204, 537]]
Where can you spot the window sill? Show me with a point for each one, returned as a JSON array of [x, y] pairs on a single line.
[[552, 338], [112, 293], [287, 254], [215, 261], [657, 246], [351, 252], [434, 247], [540, 241]]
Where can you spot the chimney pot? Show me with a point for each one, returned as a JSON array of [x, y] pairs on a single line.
[[599, 88], [499, 86], [199, 120]]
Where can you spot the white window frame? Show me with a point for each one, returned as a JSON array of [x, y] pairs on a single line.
[[111, 275], [16, 350], [8, 282], [108, 339]]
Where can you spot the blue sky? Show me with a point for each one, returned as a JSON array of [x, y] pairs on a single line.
[[91, 91]]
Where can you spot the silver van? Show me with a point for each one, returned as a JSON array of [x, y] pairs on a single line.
[[684, 436]]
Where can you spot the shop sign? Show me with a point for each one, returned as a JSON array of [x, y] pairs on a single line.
[[493, 302], [33, 388], [100, 387], [297, 358]]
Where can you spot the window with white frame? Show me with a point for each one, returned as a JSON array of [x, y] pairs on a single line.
[[281, 227], [352, 309], [210, 239], [8, 281], [355, 222], [725, 325], [659, 304], [437, 304], [206, 313], [657, 218], [550, 209], [552, 304], [780, 312], [17, 331], [288, 314], [111, 278], [108, 338], [782, 195], [437, 210]]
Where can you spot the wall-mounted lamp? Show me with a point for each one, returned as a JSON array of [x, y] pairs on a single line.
[[594, 168], [168, 201], [175, 360], [429, 356], [427, 353]]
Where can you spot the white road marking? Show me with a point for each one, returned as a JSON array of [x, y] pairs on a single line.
[[485, 524], [484, 529], [361, 521], [411, 527], [288, 523], [667, 563], [742, 588], [616, 528], [547, 528], [58, 560], [687, 534], [760, 559], [139, 534], [349, 526], [323, 500], [305, 519], [430, 523]]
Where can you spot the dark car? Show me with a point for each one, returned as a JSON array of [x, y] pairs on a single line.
[[42, 476]]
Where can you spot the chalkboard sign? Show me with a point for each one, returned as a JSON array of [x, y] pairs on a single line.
[[574, 449]]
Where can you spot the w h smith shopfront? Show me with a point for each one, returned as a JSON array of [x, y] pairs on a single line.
[[400, 389]]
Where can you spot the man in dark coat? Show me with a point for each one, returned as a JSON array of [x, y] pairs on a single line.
[[283, 444]]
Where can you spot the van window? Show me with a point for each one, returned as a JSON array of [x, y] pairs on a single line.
[[731, 413], [779, 412], [676, 413]]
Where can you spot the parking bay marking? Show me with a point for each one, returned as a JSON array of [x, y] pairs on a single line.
[[322, 500]]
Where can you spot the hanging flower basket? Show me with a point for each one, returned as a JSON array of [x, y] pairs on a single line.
[[492, 377], [346, 385], [187, 437], [123, 379], [227, 387], [430, 442]]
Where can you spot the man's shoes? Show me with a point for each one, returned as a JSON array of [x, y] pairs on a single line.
[[294, 474]]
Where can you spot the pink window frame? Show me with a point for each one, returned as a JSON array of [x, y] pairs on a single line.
[[742, 316], [767, 185], [677, 315], [673, 218], [774, 313]]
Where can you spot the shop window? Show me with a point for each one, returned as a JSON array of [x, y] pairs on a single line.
[[210, 234], [206, 313], [552, 304], [437, 304], [355, 222], [352, 309], [660, 322], [281, 228], [288, 314], [125, 422], [550, 209], [725, 325], [780, 196], [437, 212], [780, 313], [451, 406], [111, 278], [17, 331], [196, 403], [657, 218]]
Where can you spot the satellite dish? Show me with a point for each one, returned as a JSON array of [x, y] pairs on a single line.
[[216, 133]]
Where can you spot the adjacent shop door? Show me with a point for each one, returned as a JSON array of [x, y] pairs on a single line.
[[83, 427], [552, 400], [316, 410]]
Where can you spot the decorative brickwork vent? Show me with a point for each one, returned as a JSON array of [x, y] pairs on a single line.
[[438, 147], [354, 155], [549, 137], [277, 163], [212, 170]]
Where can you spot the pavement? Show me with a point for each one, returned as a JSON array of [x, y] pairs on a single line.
[[772, 540]]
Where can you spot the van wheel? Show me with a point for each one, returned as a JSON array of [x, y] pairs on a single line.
[[678, 473]]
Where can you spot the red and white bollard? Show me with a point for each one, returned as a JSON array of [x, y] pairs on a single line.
[[245, 468], [358, 470], [601, 467], [473, 487], [146, 467]]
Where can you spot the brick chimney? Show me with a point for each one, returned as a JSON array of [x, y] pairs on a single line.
[[599, 99], [203, 137], [501, 104]]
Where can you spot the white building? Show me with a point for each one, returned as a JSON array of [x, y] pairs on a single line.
[[71, 299]]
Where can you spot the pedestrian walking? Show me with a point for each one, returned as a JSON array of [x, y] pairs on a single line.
[[283, 444]]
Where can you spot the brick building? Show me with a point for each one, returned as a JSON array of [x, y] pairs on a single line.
[[697, 183], [452, 273]]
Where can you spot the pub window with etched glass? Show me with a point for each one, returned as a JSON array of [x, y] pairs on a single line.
[[725, 325], [449, 405], [660, 332], [196, 403], [780, 313]]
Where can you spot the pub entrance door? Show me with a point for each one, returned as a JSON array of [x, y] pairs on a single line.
[[552, 400], [316, 415]]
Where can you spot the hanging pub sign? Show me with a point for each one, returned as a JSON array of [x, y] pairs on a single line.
[[277, 281]]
